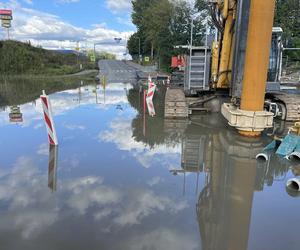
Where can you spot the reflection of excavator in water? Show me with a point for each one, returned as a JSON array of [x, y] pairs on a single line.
[[233, 175], [245, 61]]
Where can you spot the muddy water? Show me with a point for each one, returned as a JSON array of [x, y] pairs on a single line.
[[122, 180]]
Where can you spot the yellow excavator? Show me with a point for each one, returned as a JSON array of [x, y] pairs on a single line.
[[244, 59]]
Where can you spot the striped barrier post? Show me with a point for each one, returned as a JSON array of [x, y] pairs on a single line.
[[47, 110], [144, 112], [149, 97], [52, 167], [150, 106], [151, 90]]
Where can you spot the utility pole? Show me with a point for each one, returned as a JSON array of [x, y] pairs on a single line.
[[139, 49]]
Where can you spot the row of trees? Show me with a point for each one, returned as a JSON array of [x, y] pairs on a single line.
[[288, 18], [162, 24]]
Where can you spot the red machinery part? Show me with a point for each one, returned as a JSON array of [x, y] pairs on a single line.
[[178, 61]]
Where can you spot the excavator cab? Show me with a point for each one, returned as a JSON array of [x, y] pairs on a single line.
[[275, 63]]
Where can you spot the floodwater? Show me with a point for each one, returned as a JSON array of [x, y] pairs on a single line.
[[122, 180]]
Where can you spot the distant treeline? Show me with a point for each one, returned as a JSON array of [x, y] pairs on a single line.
[[17, 58], [22, 58]]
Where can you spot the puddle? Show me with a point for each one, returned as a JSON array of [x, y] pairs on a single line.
[[122, 180]]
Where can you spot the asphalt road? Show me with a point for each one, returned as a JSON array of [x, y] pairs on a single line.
[[117, 71]]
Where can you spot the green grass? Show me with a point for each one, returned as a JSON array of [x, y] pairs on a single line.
[[19, 58]]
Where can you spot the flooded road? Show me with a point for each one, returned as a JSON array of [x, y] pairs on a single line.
[[122, 180]]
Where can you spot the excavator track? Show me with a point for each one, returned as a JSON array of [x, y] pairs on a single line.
[[292, 106]]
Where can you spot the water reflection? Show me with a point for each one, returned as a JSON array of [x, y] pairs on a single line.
[[232, 174], [52, 167], [15, 115], [115, 189]]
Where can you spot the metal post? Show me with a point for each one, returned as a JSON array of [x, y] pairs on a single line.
[[257, 57], [191, 45], [139, 50]]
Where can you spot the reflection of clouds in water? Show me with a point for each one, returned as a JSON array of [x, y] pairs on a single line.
[[43, 149], [142, 203], [120, 133], [73, 126], [160, 239], [155, 180], [32, 208], [89, 191], [68, 100]]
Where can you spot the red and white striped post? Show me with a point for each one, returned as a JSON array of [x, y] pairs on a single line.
[[48, 119], [151, 108], [144, 112], [168, 80], [149, 98]]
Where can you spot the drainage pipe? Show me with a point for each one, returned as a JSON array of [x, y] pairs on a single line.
[[296, 153], [293, 184]]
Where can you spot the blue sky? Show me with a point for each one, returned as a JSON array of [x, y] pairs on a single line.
[[85, 13], [63, 23]]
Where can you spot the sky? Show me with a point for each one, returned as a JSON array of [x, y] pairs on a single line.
[[61, 24]]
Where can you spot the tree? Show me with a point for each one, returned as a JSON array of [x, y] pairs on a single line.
[[157, 22], [133, 45], [287, 17], [162, 24], [181, 24]]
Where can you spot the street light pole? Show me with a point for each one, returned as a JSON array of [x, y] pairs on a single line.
[[191, 45], [139, 50], [116, 39]]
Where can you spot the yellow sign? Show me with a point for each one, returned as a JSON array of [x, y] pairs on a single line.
[[92, 58], [147, 59]]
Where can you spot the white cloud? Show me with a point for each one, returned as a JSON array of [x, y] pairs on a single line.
[[67, 1], [51, 32], [28, 1], [117, 6]]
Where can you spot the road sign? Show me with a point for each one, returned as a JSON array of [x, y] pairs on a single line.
[[6, 12], [93, 58], [6, 22], [147, 59], [6, 17], [7, 26]]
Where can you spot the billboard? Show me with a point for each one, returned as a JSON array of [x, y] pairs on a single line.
[[5, 12], [6, 17], [5, 22]]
